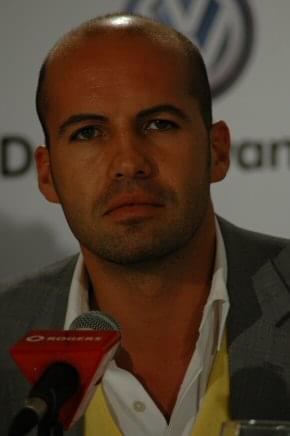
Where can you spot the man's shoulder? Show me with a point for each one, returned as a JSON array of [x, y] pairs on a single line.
[[247, 251], [49, 278], [44, 276], [245, 238], [37, 301]]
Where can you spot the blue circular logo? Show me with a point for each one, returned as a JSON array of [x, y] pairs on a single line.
[[222, 29]]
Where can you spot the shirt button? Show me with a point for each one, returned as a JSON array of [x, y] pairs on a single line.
[[139, 406]]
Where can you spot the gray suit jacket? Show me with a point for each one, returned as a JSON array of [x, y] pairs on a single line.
[[258, 326]]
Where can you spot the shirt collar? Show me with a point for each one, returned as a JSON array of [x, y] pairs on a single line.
[[218, 293], [78, 300]]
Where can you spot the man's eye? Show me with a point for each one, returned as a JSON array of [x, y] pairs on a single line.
[[86, 133], [160, 124]]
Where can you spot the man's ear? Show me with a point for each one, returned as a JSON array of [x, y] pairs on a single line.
[[220, 151], [45, 180]]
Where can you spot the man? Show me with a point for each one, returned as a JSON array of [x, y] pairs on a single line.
[[131, 151]]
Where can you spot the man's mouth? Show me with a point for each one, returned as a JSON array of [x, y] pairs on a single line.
[[126, 206]]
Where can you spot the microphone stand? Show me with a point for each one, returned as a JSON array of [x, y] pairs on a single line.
[[50, 428]]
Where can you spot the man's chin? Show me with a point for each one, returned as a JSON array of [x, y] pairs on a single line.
[[129, 258], [127, 255]]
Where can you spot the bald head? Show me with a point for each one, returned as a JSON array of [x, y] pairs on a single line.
[[124, 28]]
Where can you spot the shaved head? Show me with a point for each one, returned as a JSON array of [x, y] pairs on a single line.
[[124, 27]]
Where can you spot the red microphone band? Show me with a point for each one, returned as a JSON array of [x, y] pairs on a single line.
[[88, 351]]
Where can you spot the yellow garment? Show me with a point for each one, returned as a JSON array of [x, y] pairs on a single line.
[[213, 411], [98, 419]]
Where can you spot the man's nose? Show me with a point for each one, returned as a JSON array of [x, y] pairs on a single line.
[[131, 159]]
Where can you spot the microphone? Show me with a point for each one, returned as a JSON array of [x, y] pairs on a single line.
[[64, 368]]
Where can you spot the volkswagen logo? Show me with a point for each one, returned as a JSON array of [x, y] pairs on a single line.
[[222, 29]]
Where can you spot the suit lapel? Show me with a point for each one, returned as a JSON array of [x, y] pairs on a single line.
[[259, 357], [258, 329]]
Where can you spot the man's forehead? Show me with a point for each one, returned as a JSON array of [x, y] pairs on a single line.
[[114, 54], [117, 40], [95, 74], [106, 52], [95, 66]]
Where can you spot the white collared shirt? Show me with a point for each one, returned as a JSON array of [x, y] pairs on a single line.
[[134, 410]]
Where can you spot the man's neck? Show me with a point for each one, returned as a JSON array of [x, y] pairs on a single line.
[[172, 290], [159, 308]]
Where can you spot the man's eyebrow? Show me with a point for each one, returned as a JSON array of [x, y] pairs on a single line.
[[78, 118], [169, 108]]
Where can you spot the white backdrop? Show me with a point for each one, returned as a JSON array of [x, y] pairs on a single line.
[[256, 107]]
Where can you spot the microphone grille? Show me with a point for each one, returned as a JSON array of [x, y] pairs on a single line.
[[95, 320]]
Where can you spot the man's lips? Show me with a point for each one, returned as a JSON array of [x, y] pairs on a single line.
[[132, 202]]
